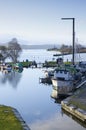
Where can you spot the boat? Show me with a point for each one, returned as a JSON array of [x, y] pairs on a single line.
[[17, 67], [82, 67], [8, 67], [5, 67], [48, 74], [65, 80]]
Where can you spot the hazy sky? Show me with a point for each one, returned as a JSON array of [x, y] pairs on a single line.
[[40, 20]]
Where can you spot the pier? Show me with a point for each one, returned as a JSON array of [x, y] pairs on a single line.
[[73, 110], [76, 104]]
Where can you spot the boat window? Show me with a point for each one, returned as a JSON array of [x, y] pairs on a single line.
[[65, 72]]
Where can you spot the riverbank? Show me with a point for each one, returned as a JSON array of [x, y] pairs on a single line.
[[76, 104], [10, 119]]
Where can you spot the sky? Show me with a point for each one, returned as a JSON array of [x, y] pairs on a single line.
[[40, 20]]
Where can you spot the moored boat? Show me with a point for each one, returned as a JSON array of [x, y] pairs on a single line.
[[17, 67], [65, 80]]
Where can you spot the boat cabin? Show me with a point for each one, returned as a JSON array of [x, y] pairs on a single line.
[[62, 74]]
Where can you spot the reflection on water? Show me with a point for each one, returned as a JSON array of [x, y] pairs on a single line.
[[56, 122], [13, 77], [54, 95], [75, 119], [33, 100]]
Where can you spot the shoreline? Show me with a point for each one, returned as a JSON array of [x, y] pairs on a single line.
[[76, 104], [18, 116], [12, 119]]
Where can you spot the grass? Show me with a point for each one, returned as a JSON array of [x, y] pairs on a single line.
[[79, 98], [26, 64], [23, 63], [50, 64], [8, 121], [78, 104]]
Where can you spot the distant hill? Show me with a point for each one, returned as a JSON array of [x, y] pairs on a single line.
[[44, 46], [26, 45], [4, 39]]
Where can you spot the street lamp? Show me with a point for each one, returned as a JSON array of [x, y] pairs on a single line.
[[73, 20]]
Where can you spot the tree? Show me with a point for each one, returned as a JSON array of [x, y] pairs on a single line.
[[14, 49], [1, 57], [3, 53], [64, 48]]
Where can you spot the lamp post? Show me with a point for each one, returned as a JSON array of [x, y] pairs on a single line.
[[73, 27]]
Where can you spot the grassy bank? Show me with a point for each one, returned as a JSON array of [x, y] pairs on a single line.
[[79, 98], [8, 120], [76, 105], [25, 64], [50, 64]]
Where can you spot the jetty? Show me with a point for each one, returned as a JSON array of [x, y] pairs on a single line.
[[76, 104]]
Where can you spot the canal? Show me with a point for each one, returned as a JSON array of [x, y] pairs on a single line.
[[33, 100]]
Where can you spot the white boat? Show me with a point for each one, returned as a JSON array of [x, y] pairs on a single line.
[[64, 80], [49, 73], [6, 67]]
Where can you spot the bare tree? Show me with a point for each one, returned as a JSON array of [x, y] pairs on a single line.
[[1, 57], [3, 53], [14, 49]]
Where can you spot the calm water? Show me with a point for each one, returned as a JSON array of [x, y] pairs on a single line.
[[32, 99], [38, 55], [42, 55]]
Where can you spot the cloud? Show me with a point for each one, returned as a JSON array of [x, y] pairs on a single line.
[[55, 123]]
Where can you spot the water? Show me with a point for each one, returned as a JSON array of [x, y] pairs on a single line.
[[33, 100], [38, 55], [42, 55]]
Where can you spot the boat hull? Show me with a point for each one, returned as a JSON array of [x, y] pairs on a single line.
[[63, 87]]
